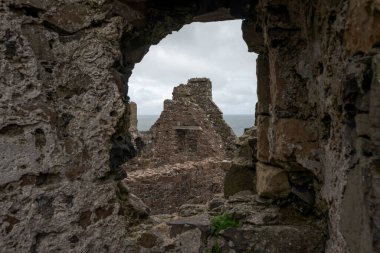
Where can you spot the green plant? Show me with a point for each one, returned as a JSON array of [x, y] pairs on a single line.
[[221, 222], [216, 248]]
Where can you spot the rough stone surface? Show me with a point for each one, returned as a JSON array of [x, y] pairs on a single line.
[[363, 31], [60, 104], [164, 189], [133, 119], [263, 138], [241, 174], [246, 148], [64, 119], [321, 79], [180, 159], [142, 210], [191, 127], [263, 228], [272, 181], [293, 138], [239, 178], [263, 88]]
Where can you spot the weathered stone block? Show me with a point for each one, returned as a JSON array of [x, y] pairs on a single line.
[[147, 240], [39, 42], [293, 138], [263, 89], [262, 138], [374, 114], [187, 210], [278, 85], [253, 36], [180, 225], [73, 17], [272, 181], [245, 154], [239, 178], [225, 165], [362, 124], [139, 207], [287, 90], [164, 189], [363, 29], [133, 116], [353, 219], [277, 238]]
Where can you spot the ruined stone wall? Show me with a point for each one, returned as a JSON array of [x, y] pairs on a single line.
[[199, 91], [64, 67], [317, 121], [191, 127], [164, 189], [60, 103], [133, 119]]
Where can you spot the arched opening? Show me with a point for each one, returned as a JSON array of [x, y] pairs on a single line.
[[192, 137], [215, 50], [278, 108]]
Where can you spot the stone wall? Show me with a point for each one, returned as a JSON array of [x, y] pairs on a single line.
[[241, 175], [133, 119], [315, 100], [164, 189], [64, 67], [60, 104], [191, 127]]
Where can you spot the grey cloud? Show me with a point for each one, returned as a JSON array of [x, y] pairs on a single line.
[[213, 50]]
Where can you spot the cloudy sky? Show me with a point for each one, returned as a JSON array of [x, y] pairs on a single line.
[[214, 50]]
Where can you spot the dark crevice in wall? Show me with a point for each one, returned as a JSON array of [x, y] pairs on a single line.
[[326, 127], [56, 29], [26, 9], [122, 148]]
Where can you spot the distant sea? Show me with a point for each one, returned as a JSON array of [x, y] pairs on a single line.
[[238, 122]]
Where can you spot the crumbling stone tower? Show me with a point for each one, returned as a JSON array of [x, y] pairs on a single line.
[[191, 126]]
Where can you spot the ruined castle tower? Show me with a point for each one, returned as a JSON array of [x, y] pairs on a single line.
[[191, 126]]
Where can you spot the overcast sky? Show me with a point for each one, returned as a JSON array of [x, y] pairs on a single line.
[[214, 50]]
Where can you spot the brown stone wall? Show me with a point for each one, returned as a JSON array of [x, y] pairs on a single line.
[[133, 118], [64, 122], [317, 115], [60, 103], [191, 127], [64, 67], [164, 189]]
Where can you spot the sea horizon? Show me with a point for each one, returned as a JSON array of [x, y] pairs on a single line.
[[238, 122]]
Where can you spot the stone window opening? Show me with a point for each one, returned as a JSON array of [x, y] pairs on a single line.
[[187, 140], [191, 135]]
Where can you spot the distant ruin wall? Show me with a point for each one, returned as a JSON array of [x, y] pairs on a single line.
[[133, 118], [164, 189], [191, 127]]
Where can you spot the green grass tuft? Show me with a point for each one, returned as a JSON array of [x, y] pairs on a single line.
[[221, 222], [216, 248]]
